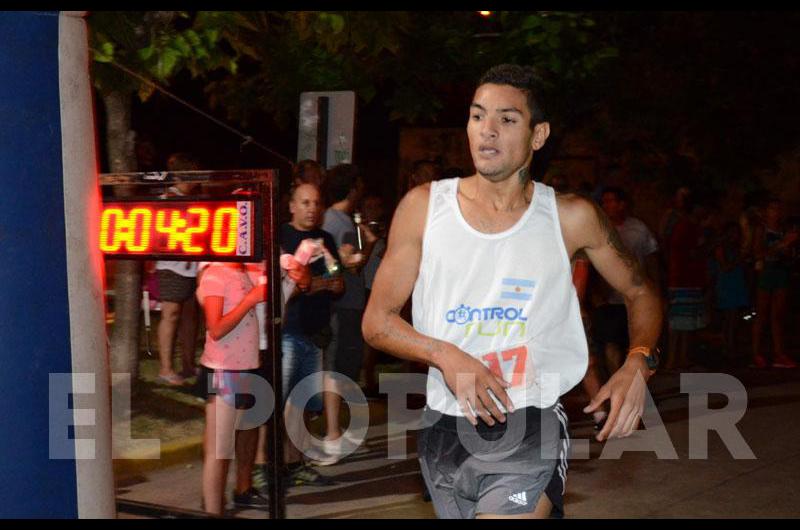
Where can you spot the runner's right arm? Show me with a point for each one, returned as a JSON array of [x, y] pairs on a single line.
[[385, 330]]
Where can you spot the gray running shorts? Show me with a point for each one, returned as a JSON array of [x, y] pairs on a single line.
[[500, 470]]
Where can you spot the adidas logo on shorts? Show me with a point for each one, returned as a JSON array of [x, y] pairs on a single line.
[[519, 498]]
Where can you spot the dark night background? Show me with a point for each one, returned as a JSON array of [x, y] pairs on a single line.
[[718, 89]]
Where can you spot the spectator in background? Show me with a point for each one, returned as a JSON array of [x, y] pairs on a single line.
[[687, 279], [304, 172], [730, 287], [775, 245], [678, 209], [306, 331], [229, 361], [375, 218], [176, 287], [344, 354], [610, 320], [424, 171], [749, 222], [309, 172]]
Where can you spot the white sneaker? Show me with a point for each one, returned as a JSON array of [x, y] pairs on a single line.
[[353, 444], [320, 456]]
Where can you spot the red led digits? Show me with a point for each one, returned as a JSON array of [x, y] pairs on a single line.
[[201, 228], [110, 214], [159, 228], [231, 215], [178, 228], [139, 220], [125, 230]]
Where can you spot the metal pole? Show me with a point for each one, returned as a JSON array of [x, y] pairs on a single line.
[[269, 194]]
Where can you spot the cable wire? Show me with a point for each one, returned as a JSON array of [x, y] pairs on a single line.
[[247, 138]]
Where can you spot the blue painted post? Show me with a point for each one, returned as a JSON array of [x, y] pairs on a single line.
[[55, 434]]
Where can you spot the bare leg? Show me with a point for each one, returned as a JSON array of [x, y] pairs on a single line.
[[542, 511], [261, 445], [170, 313], [293, 422], [217, 441], [246, 442], [332, 403]]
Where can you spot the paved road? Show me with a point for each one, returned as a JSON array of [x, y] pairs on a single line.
[[611, 482]]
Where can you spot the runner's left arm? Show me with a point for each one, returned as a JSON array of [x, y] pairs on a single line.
[[585, 226]]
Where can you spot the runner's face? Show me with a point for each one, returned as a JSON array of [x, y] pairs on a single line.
[[500, 138], [305, 207]]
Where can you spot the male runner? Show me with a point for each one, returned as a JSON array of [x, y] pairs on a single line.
[[496, 317]]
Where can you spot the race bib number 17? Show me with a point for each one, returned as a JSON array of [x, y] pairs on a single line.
[[513, 361]]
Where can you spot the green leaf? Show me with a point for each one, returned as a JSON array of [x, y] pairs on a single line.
[[105, 54], [182, 45], [145, 53], [192, 37], [336, 22], [212, 36], [166, 63]]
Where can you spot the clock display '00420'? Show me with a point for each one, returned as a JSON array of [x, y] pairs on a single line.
[[208, 230]]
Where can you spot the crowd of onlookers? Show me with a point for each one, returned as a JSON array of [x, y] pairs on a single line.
[[725, 283], [714, 274]]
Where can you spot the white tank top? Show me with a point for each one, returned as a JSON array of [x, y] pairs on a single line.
[[506, 299]]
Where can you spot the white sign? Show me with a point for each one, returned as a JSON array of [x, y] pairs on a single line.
[[335, 147]]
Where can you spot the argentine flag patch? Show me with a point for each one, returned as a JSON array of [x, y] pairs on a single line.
[[517, 289]]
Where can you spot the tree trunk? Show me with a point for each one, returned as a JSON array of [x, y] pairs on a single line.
[[128, 273]]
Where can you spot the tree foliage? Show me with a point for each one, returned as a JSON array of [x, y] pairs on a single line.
[[158, 45], [411, 60]]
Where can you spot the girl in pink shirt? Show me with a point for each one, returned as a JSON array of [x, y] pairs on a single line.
[[228, 365]]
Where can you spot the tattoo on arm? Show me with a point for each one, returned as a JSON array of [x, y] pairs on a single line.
[[403, 335], [613, 239]]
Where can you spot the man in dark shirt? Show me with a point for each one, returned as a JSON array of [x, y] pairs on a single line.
[[306, 325]]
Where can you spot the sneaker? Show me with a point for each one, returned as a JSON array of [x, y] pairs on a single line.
[[759, 362], [305, 475], [352, 440], [784, 362], [250, 499], [328, 454], [260, 479]]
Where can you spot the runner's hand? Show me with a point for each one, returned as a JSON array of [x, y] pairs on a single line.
[[626, 390], [470, 381]]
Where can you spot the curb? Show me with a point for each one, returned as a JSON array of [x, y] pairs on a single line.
[[170, 454]]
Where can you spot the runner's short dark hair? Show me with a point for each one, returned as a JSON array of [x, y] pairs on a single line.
[[523, 78]]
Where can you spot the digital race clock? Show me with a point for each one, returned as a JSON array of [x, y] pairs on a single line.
[[182, 229]]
